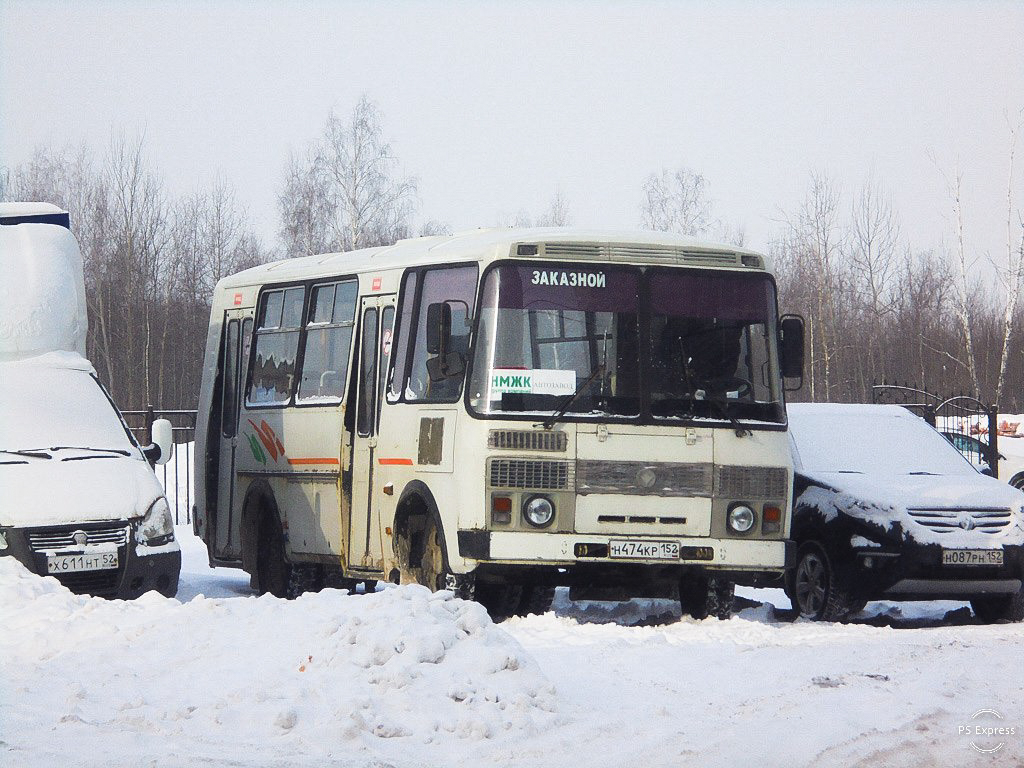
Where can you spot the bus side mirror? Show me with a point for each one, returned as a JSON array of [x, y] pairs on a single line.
[[445, 362], [791, 349], [439, 328]]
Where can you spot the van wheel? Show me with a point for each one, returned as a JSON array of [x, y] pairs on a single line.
[[704, 596], [818, 592], [1003, 608], [273, 569]]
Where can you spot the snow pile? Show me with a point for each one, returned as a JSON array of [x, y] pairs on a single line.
[[42, 295], [324, 676]]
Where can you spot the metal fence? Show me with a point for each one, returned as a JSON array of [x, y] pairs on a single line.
[[177, 474], [970, 425]]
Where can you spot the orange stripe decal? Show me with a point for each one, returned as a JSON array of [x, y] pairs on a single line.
[[392, 462], [313, 461]]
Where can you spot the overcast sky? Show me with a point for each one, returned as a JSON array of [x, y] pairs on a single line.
[[494, 106]]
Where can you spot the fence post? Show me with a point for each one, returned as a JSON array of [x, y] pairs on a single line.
[[993, 440], [929, 414], [149, 425]]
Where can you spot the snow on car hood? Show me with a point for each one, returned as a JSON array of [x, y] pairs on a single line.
[[53, 492], [887, 499]]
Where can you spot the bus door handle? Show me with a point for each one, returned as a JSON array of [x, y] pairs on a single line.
[[372, 441]]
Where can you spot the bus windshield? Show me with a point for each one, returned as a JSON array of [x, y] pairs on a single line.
[[630, 343]]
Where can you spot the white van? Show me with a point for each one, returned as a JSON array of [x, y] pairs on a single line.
[[78, 496]]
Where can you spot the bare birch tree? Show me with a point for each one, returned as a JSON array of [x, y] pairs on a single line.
[[676, 201], [346, 191]]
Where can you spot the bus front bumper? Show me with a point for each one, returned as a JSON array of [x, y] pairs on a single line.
[[570, 549]]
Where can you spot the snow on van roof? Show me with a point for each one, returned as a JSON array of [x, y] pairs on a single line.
[[438, 249], [19, 209], [42, 296]]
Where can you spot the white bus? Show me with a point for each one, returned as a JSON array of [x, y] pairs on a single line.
[[500, 412]]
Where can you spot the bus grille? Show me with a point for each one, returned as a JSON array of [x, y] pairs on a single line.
[[60, 538], [528, 473], [524, 440], [628, 477], [751, 483]]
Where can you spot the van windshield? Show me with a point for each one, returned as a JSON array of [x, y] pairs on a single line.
[[56, 407], [655, 343]]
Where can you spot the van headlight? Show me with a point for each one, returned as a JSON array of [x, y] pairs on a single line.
[[539, 511], [157, 527], [741, 518]]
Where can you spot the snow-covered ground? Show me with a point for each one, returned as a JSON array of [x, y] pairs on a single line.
[[405, 678], [401, 677]]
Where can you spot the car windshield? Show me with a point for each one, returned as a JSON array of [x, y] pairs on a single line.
[[872, 440], [56, 407], [660, 343]]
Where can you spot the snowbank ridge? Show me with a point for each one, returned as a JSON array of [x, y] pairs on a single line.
[[329, 673]]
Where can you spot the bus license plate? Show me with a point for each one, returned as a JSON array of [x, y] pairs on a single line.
[[972, 557], [101, 561], [644, 550]]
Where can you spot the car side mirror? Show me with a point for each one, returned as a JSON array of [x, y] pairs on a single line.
[[161, 449], [791, 349]]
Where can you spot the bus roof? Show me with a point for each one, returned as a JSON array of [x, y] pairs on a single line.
[[561, 243]]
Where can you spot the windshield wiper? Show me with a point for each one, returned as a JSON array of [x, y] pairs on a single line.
[[741, 431], [551, 420], [32, 454], [86, 448]]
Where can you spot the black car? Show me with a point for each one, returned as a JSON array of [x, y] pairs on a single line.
[[886, 508]]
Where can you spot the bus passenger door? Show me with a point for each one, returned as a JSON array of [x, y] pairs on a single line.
[[375, 330], [236, 338]]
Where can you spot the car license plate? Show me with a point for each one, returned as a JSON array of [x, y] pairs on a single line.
[[643, 550], [972, 557], [97, 561]]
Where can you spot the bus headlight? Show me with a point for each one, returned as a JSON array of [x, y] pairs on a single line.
[[741, 518], [539, 511]]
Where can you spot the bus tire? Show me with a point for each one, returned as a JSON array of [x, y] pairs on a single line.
[[304, 577], [432, 567], [272, 566], [536, 600], [500, 600], [702, 597]]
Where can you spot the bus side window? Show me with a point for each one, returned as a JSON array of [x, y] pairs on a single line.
[[400, 348], [328, 342], [457, 287], [275, 347]]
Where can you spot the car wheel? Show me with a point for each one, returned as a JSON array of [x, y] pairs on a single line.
[[702, 596], [1002, 608], [273, 569], [817, 591], [1017, 481]]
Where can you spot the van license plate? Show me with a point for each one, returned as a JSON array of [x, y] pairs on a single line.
[[101, 561], [644, 550], [972, 557]]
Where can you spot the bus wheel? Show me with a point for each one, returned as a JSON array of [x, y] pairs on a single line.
[[701, 597], [304, 578], [432, 562], [500, 600], [273, 570], [536, 599]]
